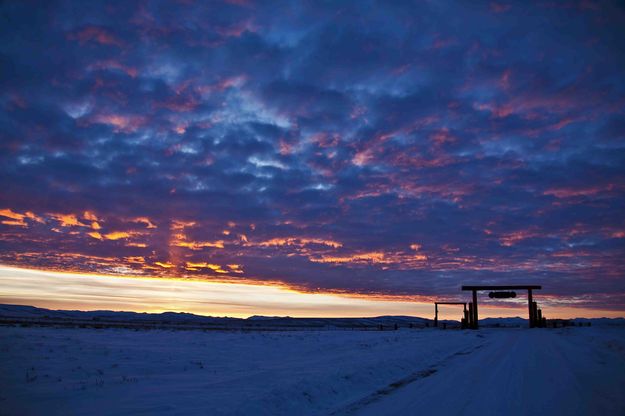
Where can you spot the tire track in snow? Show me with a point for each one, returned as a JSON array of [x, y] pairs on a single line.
[[398, 384]]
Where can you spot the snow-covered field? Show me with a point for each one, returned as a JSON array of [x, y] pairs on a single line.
[[498, 371]]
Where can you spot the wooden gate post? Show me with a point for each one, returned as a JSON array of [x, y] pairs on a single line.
[[530, 307], [475, 316], [532, 310]]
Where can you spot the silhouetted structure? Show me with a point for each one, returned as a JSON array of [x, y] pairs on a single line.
[[463, 321], [535, 315]]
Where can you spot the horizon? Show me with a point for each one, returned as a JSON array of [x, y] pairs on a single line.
[[297, 157], [102, 292], [291, 317]]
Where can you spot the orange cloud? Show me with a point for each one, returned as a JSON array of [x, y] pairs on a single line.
[[146, 221], [179, 239], [135, 259], [398, 259], [67, 220], [236, 268], [15, 222], [179, 225], [131, 244], [300, 242], [214, 267], [90, 216], [508, 240], [370, 257], [116, 235], [10, 214], [120, 122], [17, 218], [96, 235], [363, 157], [197, 245], [34, 217]]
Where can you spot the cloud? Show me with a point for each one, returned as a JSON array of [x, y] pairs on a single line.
[[399, 151]]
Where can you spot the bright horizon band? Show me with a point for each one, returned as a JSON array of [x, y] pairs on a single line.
[[56, 290]]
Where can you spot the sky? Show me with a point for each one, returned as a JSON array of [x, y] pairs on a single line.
[[365, 150]]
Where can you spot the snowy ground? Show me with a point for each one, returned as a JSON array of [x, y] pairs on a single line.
[[65, 371]]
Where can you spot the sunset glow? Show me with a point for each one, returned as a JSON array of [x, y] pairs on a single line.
[[71, 291], [241, 158]]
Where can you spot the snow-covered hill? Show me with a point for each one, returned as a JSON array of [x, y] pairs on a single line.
[[175, 320], [29, 314]]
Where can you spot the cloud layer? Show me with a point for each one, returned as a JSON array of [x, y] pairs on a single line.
[[360, 147]]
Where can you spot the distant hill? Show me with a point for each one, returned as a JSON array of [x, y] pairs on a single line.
[[20, 314], [22, 311]]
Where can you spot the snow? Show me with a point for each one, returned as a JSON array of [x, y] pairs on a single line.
[[512, 371], [522, 372]]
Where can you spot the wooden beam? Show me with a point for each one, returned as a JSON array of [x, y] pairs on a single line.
[[498, 287], [450, 303]]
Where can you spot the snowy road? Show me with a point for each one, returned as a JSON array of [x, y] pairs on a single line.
[[61, 371], [517, 372]]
